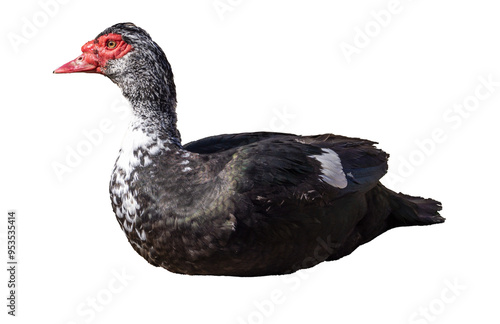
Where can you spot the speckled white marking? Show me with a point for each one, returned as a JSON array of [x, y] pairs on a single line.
[[130, 219], [142, 234], [147, 161], [126, 227], [119, 213], [186, 169], [134, 139], [132, 242], [155, 150], [129, 207], [137, 146], [186, 155], [184, 162], [331, 168]]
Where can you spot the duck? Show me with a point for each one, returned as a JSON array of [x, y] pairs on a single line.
[[248, 204]]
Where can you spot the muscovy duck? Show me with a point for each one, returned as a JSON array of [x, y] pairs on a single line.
[[246, 204]]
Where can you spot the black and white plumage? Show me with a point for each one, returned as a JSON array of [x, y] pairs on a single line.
[[240, 204]]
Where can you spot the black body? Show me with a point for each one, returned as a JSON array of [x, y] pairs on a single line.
[[242, 204]]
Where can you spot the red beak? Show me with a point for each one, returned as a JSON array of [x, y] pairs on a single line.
[[83, 63]]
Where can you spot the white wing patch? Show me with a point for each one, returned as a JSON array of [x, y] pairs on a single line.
[[331, 169]]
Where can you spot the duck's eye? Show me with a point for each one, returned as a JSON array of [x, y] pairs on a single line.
[[111, 44]]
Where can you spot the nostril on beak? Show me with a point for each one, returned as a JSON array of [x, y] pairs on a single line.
[[80, 64]]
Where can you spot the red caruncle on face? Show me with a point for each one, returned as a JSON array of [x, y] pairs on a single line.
[[96, 53]]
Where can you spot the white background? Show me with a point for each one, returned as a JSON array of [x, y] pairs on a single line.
[[260, 65]]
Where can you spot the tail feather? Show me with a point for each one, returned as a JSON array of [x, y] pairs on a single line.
[[409, 210], [388, 209]]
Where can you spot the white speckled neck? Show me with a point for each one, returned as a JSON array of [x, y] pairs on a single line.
[[139, 143], [139, 146]]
